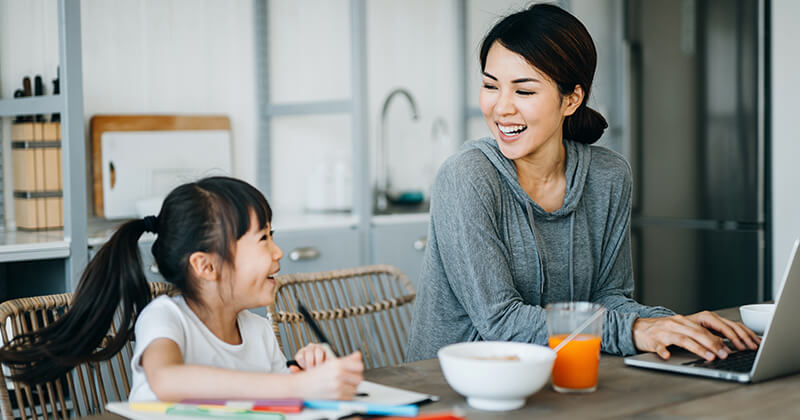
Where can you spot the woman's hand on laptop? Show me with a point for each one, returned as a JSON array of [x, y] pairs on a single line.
[[694, 333], [742, 337]]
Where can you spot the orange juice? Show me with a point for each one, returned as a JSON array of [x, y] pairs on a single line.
[[577, 362]]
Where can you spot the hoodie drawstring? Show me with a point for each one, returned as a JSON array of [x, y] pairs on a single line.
[[571, 248], [538, 251]]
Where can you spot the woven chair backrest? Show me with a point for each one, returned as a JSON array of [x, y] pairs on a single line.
[[364, 308], [84, 390]]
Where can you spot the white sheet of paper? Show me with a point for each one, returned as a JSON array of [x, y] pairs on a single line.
[[382, 394], [377, 394]]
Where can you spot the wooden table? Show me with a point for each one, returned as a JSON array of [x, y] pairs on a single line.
[[623, 392]]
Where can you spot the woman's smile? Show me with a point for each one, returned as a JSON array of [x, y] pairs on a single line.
[[510, 132]]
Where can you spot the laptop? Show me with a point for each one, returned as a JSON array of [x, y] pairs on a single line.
[[777, 355]]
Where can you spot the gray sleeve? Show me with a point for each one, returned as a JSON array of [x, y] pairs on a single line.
[[475, 259], [614, 285]]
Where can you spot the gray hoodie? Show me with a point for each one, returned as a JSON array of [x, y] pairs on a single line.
[[495, 258]]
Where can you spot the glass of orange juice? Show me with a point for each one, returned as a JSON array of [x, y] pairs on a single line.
[[577, 362]]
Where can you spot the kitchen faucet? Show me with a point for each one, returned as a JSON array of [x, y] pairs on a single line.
[[382, 163]]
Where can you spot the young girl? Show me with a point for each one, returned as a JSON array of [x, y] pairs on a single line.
[[214, 243]]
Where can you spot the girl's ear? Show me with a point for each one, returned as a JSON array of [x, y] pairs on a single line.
[[571, 102], [203, 266]]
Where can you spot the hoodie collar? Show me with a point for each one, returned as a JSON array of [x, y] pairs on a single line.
[[578, 158]]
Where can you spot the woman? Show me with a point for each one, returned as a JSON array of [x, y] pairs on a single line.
[[536, 215]]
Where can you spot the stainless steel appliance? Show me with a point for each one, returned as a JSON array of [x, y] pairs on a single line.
[[696, 145]]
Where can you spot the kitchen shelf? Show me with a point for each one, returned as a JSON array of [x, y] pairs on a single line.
[[29, 246], [67, 247], [31, 105]]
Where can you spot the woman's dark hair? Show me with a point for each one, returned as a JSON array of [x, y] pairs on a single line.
[[556, 43], [207, 216]]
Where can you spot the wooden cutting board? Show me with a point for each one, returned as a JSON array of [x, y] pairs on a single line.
[[100, 124]]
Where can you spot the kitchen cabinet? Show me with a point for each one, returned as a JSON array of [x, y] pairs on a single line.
[[400, 242], [319, 249]]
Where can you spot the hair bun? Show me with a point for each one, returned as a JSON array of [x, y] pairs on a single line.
[[585, 125]]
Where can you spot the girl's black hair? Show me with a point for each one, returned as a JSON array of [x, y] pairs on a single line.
[[556, 43], [206, 216]]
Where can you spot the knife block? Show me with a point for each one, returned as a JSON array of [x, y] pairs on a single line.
[[36, 155]]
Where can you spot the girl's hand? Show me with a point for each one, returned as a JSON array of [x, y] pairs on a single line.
[[693, 333], [312, 355], [336, 379]]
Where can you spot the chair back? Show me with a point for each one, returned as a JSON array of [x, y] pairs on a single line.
[[365, 308], [84, 390]]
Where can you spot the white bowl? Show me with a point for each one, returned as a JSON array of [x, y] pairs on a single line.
[[491, 384], [756, 317]]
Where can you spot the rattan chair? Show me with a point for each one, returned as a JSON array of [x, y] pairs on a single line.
[[365, 308], [85, 390]]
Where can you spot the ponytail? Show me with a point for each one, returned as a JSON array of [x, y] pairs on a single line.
[[585, 125], [113, 279]]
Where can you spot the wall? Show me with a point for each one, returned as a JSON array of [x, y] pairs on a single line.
[[412, 44], [308, 61], [785, 138], [177, 56]]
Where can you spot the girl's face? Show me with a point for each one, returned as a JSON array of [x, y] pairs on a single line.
[[522, 106], [257, 260]]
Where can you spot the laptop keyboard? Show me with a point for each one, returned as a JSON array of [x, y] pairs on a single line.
[[740, 361]]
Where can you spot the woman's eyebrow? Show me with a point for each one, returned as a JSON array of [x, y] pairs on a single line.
[[520, 80], [526, 79]]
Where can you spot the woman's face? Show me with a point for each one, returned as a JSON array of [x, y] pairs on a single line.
[[522, 106]]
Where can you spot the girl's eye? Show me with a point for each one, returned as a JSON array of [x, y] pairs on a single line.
[[488, 86], [525, 92], [264, 237]]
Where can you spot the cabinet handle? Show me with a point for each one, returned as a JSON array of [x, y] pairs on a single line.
[[304, 253], [421, 243], [154, 268]]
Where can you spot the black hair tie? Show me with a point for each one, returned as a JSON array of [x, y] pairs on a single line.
[[150, 224]]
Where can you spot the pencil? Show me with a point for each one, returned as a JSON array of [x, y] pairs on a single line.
[[314, 326]]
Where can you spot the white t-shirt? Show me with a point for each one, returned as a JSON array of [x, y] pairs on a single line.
[[170, 317]]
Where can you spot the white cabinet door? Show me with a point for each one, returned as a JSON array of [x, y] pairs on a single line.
[[401, 245], [318, 250]]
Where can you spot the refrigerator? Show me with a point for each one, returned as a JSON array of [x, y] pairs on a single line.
[[695, 94]]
